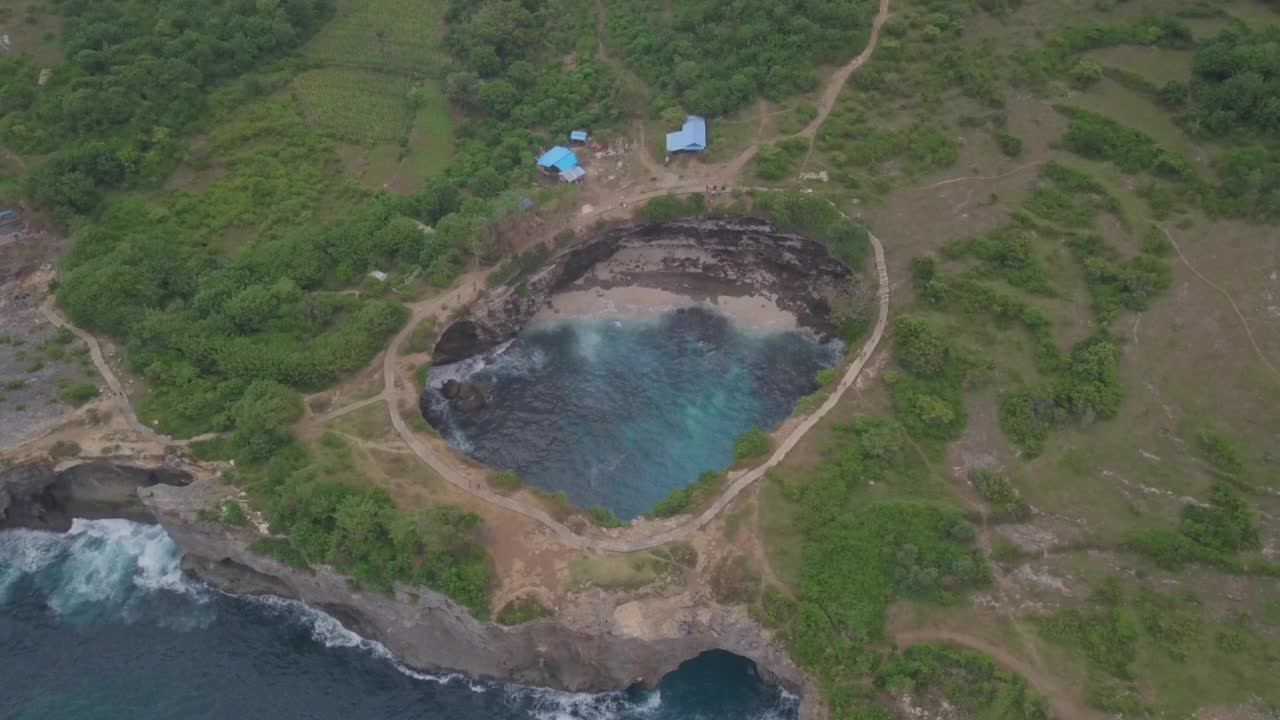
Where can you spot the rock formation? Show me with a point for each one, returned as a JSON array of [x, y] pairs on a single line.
[[627, 641], [746, 255], [36, 495]]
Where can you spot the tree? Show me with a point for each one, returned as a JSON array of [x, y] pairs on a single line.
[[261, 419]]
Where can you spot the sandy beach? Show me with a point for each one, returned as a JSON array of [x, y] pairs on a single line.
[[756, 312]]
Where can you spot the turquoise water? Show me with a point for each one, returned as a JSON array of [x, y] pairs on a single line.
[[100, 623], [619, 411]]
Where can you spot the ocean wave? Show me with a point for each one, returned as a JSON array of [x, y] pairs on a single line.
[[102, 568]]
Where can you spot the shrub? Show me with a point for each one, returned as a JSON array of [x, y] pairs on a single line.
[[918, 349], [233, 514], [64, 449], [751, 444], [1220, 452], [1010, 145], [281, 550], [995, 488], [506, 481], [80, 393], [522, 610], [603, 517]]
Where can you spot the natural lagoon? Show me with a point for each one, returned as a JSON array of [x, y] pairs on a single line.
[[619, 409]]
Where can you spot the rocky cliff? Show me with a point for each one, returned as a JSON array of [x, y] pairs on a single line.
[[38, 495], [625, 642], [740, 255]]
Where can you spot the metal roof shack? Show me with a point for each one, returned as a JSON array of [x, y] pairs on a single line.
[[573, 174], [690, 138], [578, 136], [559, 157]]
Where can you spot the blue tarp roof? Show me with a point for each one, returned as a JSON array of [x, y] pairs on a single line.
[[693, 136], [558, 157], [578, 135]]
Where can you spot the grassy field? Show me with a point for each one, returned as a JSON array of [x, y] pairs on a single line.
[[357, 106], [1205, 640], [401, 36], [370, 56]]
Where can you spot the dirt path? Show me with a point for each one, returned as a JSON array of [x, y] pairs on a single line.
[[468, 288], [1061, 700], [965, 178], [118, 394], [1247, 330]]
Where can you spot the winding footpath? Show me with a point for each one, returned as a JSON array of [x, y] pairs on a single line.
[[467, 289], [571, 538], [117, 388]]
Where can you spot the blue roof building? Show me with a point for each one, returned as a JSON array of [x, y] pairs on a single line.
[[559, 157], [578, 136], [692, 137]]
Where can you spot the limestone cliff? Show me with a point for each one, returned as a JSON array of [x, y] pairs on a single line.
[[37, 494], [740, 255], [626, 641]]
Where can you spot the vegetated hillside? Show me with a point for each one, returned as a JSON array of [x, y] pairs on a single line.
[[712, 57], [137, 75], [1109, 429]]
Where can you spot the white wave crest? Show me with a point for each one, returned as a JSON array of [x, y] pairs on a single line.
[[99, 568]]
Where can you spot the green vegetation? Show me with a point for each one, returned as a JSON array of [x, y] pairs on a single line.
[[859, 555], [713, 57], [281, 550], [64, 449], [962, 679], [751, 444], [817, 219], [382, 114], [359, 531], [228, 512], [668, 563], [112, 114], [775, 161], [680, 499], [927, 397], [603, 517], [522, 610], [1214, 535], [506, 481], [995, 488], [80, 393]]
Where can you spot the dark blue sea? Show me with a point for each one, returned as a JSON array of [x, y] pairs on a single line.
[[619, 411], [100, 624]]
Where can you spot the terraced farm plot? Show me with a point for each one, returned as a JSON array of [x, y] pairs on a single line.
[[357, 106], [431, 144], [391, 35]]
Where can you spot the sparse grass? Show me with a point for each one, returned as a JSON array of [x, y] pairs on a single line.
[[632, 570]]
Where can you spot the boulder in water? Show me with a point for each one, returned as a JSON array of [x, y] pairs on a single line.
[[470, 396]]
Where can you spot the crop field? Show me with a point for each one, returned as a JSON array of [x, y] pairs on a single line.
[[401, 36], [357, 106], [431, 143]]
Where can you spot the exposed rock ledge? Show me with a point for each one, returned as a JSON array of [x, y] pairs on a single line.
[[38, 495], [626, 642], [736, 255]]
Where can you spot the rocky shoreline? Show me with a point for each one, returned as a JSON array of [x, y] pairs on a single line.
[[699, 259], [627, 641]]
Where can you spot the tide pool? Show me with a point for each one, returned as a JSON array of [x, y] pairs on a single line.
[[618, 411]]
